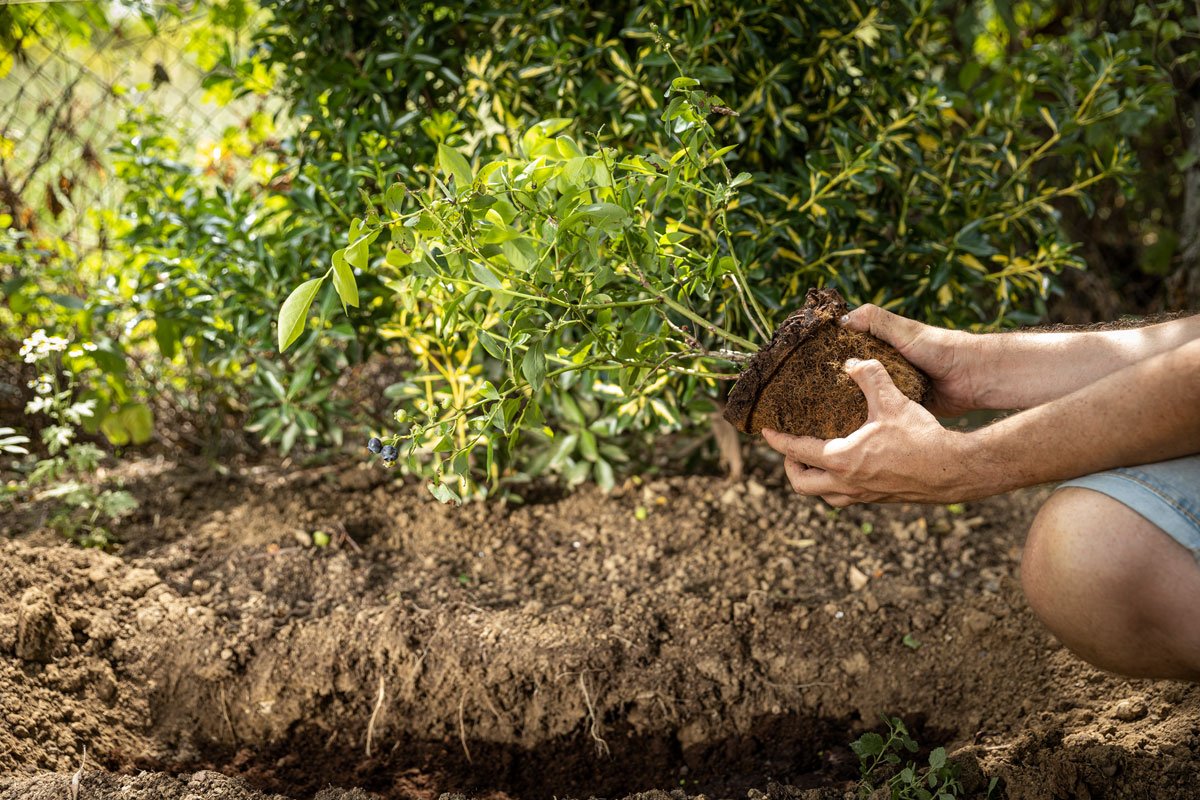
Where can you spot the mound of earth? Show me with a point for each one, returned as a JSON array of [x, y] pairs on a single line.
[[797, 384], [680, 635]]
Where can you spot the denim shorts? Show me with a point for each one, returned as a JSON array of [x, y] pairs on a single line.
[[1166, 493]]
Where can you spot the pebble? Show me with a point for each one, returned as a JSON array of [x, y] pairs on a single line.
[[858, 579], [871, 602], [1130, 709]]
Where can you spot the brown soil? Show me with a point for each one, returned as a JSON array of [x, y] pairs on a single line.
[[728, 640], [798, 384]]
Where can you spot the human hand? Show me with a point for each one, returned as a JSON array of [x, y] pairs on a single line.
[[901, 453], [947, 357]]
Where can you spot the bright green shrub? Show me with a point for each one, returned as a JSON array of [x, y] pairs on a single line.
[[868, 166]]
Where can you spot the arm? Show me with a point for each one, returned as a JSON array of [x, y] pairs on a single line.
[[1148, 411], [1020, 369]]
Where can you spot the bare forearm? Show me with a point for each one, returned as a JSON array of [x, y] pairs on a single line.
[[1147, 411], [1023, 370]]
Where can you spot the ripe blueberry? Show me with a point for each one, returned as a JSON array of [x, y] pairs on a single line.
[[389, 453], [374, 445]]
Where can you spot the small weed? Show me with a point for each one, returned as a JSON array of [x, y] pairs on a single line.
[[879, 766], [84, 513], [911, 641]]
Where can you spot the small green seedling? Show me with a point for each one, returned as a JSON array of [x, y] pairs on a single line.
[[880, 760]]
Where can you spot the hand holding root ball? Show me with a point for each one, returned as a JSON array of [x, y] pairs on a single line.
[[832, 394], [900, 453]]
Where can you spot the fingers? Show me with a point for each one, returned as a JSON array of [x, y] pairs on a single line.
[[804, 449], [811, 481], [877, 386], [870, 318]]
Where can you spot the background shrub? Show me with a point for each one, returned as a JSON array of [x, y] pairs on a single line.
[[878, 162], [938, 158]]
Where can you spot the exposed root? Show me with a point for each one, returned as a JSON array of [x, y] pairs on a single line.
[[594, 726], [374, 716], [462, 728], [228, 717]]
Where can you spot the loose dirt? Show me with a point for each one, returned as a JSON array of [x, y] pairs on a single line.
[[683, 634], [798, 384]]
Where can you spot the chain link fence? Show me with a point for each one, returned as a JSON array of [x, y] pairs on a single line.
[[70, 74]]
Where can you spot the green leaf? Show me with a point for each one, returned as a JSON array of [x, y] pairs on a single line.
[[520, 253], [443, 493], [295, 311], [869, 744], [133, 423], [485, 276], [602, 215], [343, 277], [602, 471], [683, 82], [139, 421], [114, 430], [533, 366], [491, 345], [452, 162], [937, 759]]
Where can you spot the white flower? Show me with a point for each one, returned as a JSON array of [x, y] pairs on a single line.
[[77, 411], [38, 345], [38, 405], [90, 347]]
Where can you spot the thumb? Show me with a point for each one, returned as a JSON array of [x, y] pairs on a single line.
[[882, 395], [880, 323]]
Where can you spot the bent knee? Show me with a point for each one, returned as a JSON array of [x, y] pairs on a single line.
[[1078, 546], [1112, 586]]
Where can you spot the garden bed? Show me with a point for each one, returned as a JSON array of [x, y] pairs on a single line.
[[679, 634]]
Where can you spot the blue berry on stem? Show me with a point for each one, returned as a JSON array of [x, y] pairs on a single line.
[[389, 453], [374, 445]]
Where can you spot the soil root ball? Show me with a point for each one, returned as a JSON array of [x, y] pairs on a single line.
[[797, 384]]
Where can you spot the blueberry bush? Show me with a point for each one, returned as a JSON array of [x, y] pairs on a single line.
[[574, 289]]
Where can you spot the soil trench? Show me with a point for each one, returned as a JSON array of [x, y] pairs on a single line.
[[681, 634]]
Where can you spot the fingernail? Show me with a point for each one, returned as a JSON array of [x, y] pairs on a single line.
[[845, 319], [852, 362]]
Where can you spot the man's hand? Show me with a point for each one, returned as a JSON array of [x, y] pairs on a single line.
[[947, 357], [901, 453]]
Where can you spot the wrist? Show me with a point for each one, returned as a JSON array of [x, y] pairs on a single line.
[[985, 469], [977, 363]]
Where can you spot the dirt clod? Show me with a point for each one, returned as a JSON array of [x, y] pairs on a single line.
[[797, 383], [39, 630]]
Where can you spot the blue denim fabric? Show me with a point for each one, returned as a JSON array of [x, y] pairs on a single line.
[[1166, 493]]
